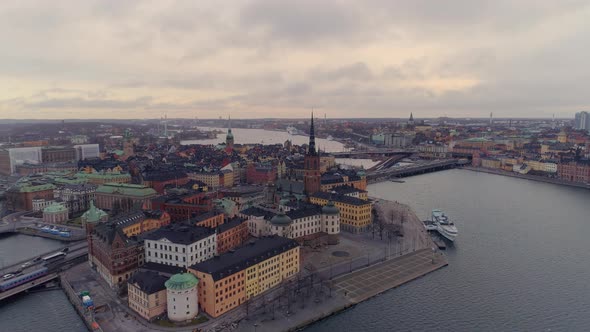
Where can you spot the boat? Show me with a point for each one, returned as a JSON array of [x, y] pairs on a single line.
[[330, 138], [445, 226]]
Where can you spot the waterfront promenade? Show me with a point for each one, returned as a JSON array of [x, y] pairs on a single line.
[[528, 177]]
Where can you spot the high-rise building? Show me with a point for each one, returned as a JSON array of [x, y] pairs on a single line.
[[311, 177], [582, 121]]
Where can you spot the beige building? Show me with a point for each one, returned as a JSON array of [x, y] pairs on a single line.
[[146, 294]]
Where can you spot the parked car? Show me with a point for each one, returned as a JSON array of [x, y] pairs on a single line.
[[8, 276]]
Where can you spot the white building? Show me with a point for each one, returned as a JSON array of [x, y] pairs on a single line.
[[182, 297], [87, 151], [19, 156], [180, 245], [305, 221]]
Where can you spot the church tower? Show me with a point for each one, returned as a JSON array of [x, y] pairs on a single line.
[[311, 177], [229, 139]]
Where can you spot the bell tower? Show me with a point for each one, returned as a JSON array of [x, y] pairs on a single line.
[[311, 177]]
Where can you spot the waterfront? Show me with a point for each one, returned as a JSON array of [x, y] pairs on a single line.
[[520, 263], [39, 311], [255, 136]]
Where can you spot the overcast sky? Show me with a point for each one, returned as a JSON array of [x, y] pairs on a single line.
[[272, 58]]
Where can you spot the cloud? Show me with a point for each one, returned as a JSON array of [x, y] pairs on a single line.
[[269, 58]]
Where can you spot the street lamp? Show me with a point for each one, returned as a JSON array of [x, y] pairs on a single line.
[[255, 326]]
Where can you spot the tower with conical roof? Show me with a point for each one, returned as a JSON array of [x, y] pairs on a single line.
[[411, 121], [311, 177]]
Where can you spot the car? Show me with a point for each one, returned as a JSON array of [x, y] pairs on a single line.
[[8, 276], [65, 249], [25, 265]]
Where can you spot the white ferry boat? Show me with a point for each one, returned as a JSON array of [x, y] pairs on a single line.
[[444, 225], [292, 130]]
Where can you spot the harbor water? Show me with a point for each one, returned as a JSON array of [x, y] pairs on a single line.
[[521, 261]]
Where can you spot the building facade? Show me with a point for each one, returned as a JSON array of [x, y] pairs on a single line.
[[355, 213], [125, 195], [181, 245], [146, 294], [182, 297], [229, 280], [311, 177]]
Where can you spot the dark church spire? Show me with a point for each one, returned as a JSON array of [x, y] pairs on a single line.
[[311, 151]]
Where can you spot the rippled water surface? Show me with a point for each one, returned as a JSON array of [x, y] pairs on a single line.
[[521, 263]]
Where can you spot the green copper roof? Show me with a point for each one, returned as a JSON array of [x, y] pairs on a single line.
[[93, 214], [105, 175], [29, 188], [330, 209], [54, 208], [125, 189], [181, 281], [281, 219]]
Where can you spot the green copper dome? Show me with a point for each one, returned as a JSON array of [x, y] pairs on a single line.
[[55, 208], [281, 219], [181, 281], [330, 209], [229, 134], [93, 214]]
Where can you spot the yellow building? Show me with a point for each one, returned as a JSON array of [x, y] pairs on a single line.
[[153, 220], [355, 213], [146, 294], [491, 163], [229, 280], [211, 179]]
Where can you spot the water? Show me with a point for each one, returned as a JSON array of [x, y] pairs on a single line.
[[255, 136], [16, 248], [521, 262], [39, 311]]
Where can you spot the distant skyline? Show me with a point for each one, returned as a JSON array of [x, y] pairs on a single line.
[[279, 59]]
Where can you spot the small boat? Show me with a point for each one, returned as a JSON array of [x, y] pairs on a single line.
[[444, 225], [292, 130], [330, 138]]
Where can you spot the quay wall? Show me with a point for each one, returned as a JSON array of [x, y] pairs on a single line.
[[528, 177]]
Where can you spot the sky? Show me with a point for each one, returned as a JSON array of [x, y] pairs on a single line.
[[281, 59]]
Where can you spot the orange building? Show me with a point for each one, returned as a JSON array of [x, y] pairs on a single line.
[[209, 219], [231, 234], [227, 281]]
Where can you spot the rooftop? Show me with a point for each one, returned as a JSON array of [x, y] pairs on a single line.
[[245, 256], [341, 198], [180, 234], [182, 281], [148, 281]]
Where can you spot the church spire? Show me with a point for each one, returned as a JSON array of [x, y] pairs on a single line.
[[311, 151]]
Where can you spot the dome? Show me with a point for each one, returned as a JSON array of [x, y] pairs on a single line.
[[55, 208], [229, 134], [330, 209], [281, 219], [181, 281], [361, 172]]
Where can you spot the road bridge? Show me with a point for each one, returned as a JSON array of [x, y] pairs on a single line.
[[72, 258], [372, 153], [420, 168]]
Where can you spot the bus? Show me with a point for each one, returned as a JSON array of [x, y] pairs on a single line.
[[53, 257]]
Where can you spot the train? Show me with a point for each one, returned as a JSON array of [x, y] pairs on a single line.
[[17, 281]]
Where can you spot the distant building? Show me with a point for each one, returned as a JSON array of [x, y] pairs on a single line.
[[231, 234], [126, 195], [11, 157], [87, 151], [55, 214], [582, 121]]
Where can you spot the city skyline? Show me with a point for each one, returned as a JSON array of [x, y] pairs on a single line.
[[267, 59]]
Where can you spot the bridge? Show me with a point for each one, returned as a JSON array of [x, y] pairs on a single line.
[[397, 172], [18, 223], [372, 153], [72, 258]]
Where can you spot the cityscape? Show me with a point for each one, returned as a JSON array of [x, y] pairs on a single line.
[[294, 166]]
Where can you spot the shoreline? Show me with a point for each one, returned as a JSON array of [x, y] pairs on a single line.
[[527, 177]]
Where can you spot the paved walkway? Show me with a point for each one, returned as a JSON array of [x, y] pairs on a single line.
[[363, 284]]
